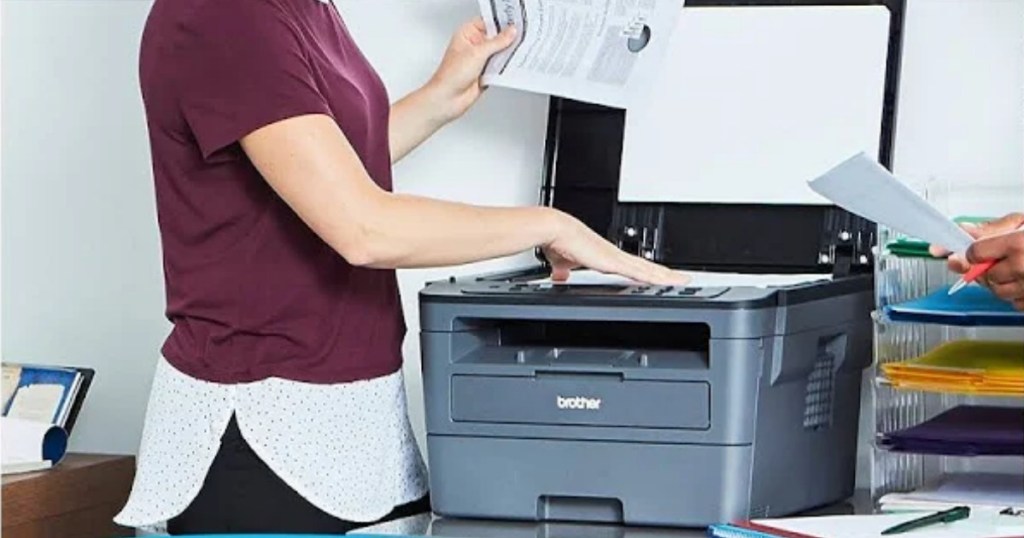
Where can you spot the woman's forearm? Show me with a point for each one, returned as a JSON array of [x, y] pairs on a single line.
[[405, 231], [415, 118], [311, 165]]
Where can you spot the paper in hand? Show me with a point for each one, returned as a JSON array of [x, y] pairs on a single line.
[[604, 52], [863, 187]]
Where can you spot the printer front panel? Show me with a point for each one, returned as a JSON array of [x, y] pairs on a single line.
[[502, 444], [571, 378], [594, 481]]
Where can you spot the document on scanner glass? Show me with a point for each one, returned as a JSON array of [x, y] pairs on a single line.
[[605, 52], [702, 279]]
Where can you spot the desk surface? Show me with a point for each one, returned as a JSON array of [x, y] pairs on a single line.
[[70, 464], [76, 499], [429, 525]]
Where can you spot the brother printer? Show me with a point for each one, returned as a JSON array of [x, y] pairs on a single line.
[[682, 406]]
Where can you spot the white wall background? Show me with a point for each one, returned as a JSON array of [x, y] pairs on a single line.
[[80, 264], [961, 111], [81, 268]]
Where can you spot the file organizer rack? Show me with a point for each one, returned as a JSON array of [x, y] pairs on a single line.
[[899, 279]]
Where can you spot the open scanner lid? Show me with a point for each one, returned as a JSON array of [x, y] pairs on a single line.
[[584, 156]]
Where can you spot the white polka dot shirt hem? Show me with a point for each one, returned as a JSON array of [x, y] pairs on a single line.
[[347, 448]]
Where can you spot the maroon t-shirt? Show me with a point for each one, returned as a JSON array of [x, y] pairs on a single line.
[[252, 292]]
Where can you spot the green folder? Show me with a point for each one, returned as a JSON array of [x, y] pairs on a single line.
[[915, 248]]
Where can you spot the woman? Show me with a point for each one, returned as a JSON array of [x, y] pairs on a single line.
[[278, 402]]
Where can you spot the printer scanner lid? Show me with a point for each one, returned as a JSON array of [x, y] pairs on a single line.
[[587, 150]]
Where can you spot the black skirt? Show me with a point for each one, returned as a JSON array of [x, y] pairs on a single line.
[[241, 494]]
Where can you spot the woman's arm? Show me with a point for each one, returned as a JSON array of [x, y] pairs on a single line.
[[308, 161], [453, 89], [415, 118]]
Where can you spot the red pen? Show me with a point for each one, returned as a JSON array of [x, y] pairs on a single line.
[[977, 270]]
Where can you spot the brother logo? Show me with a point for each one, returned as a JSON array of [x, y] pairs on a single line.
[[578, 402]]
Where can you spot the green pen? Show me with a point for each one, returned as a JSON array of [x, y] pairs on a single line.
[[946, 516]]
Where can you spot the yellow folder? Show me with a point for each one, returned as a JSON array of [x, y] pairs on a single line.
[[971, 367]]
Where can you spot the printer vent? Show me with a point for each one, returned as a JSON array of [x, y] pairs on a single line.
[[759, 512], [818, 398]]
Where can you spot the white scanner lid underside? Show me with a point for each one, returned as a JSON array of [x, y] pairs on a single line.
[[753, 102]]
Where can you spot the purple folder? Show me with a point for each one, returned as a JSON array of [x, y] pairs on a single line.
[[966, 430]]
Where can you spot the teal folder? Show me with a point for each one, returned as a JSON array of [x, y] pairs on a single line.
[[974, 305]]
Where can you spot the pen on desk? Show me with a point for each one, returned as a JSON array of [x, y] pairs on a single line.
[[946, 516], [976, 271]]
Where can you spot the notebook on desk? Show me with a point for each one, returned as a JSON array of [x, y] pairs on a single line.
[[986, 525], [999, 492], [43, 393]]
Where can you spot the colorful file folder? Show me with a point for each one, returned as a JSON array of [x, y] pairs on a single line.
[[974, 305], [991, 368], [907, 247], [965, 430]]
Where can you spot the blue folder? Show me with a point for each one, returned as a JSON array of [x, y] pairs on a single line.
[[726, 530], [972, 306]]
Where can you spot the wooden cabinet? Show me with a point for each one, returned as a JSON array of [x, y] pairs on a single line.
[[76, 499]]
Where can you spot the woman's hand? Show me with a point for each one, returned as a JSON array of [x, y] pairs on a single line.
[[453, 88], [456, 83], [575, 245], [997, 240]]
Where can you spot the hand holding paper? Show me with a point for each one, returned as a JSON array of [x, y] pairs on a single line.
[[862, 186], [599, 52], [995, 251]]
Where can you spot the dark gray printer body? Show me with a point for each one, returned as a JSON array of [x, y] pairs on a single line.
[[650, 405]]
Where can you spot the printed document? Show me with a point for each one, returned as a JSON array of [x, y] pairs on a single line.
[[605, 52], [862, 186]]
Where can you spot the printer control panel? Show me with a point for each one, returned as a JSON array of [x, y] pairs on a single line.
[[591, 290]]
